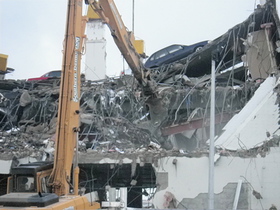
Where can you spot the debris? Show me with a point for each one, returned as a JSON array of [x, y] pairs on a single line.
[[273, 207], [169, 201], [117, 117], [257, 194]]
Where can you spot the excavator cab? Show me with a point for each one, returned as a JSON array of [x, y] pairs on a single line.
[[28, 186], [47, 184], [30, 177], [23, 183]]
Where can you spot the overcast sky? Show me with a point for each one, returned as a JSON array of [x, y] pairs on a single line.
[[32, 31]]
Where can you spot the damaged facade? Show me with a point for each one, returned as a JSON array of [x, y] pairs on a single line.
[[154, 147]]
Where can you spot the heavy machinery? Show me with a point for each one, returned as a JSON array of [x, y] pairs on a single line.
[[49, 185], [124, 39], [3, 66]]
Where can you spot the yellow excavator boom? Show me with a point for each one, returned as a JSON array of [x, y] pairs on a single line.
[[42, 175], [124, 39], [68, 113]]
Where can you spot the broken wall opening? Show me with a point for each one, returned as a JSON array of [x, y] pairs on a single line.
[[140, 181]]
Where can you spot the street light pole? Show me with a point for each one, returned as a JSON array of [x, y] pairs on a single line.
[[212, 139]]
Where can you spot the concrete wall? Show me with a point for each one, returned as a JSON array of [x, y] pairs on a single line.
[[95, 60], [187, 181], [260, 58], [223, 200], [7, 164], [247, 128]]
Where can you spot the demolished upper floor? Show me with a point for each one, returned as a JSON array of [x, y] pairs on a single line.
[[116, 117]]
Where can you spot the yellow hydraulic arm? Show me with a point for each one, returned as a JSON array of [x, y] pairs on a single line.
[[108, 12], [68, 112], [58, 176]]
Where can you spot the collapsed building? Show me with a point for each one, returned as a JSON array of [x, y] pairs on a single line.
[[153, 148]]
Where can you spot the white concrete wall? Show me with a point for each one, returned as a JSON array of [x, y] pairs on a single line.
[[5, 165], [189, 177], [258, 55], [95, 59], [260, 115]]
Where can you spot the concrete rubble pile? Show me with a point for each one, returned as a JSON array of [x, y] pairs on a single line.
[[28, 118], [113, 117]]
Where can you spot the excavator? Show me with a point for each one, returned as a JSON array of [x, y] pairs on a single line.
[[55, 184], [3, 66], [124, 39]]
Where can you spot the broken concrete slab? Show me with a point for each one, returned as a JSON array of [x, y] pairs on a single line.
[[261, 112]]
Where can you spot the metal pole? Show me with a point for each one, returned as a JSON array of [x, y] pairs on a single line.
[[133, 16], [123, 195], [212, 136], [237, 194]]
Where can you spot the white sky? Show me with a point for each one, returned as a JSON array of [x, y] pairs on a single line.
[[32, 31]]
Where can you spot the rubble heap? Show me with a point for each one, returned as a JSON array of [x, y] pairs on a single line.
[[114, 116]]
